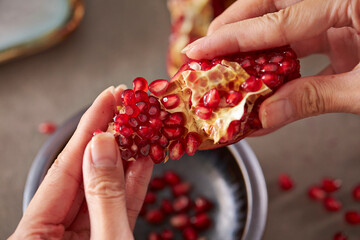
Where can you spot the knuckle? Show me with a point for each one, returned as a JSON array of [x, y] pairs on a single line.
[[311, 101], [105, 188], [278, 21]]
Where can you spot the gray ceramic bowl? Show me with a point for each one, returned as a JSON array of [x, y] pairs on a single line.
[[231, 177]]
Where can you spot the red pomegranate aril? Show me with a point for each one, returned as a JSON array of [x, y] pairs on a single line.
[[352, 217], [167, 234], [47, 127], [316, 193], [140, 83], [192, 143], [190, 233], [203, 112], [163, 141], [270, 67], [252, 84], [356, 193], [125, 131], [340, 236], [154, 101], [276, 59], [157, 153], [330, 185], [166, 206], [142, 117], [172, 178], [246, 63], [154, 236], [124, 141], [132, 110], [143, 107], [181, 189], [141, 96], [145, 132], [158, 87], [181, 204], [180, 221], [133, 122], [154, 216], [272, 80], [128, 97], [285, 182], [126, 154], [176, 150], [144, 150], [288, 66], [157, 183], [172, 133], [171, 101], [212, 98], [202, 204], [201, 221], [175, 119], [163, 115], [155, 123], [261, 59], [233, 98], [122, 119], [154, 111], [150, 197], [331, 204]]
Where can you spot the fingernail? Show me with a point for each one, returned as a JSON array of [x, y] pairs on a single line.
[[121, 87], [192, 45], [103, 150], [187, 48], [276, 114]]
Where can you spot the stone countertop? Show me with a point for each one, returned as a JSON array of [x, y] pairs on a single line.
[[120, 40]]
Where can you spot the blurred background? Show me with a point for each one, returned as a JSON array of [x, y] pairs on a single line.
[[116, 42]]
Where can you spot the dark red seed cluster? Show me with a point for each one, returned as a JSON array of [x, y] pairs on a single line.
[[186, 216]]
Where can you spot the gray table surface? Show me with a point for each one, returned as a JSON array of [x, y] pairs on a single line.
[[120, 40]]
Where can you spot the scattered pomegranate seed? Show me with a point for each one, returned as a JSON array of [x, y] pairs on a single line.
[[177, 149], [166, 206], [234, 98], [181, 189], [356, 193], [202, 204], [47, 127], [167, 234], [316, 193], [154, 236], [201, 221], [192, 143], [158, 87], [172, 178], [340, 236], [203, 112], [331, 204], [190, 233], [140, 83], [352, 217], [150, 197], [154, 216], [157, 183], [181, 204], [285, 182], [157, 153], [330, 185], [180, 221]]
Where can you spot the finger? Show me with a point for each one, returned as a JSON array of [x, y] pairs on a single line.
[[117, 93], [82, 221], [138, 174], [245, 9], [300, 21], [59, 189], [104, 186], [306, 97], [327, 71]]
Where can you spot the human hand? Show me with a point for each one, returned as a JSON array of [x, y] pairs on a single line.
[[83, 194], [310, 26]]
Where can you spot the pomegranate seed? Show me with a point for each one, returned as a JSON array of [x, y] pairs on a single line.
[[190, 233], [270, 67], [143, 107], [261, 59], [125, 131], [167, 234], [154, 101], [154, 111], [133, 122], [181, 189], [202, 204], [132, 111], [163, 115], [316, 193], [330, 185], [175, 119], [173, 132], [276, 59], [272, 80], [163, 141], [157, 183], [154, 236], [234, 98], [252, 84], [246, 63], [122, 119], [176, 150], [166, 206], [285, 182], [150, 197], [47, 127], [124, 141], [97, 132], [171, 178], [142, 117], [340, 236], [181, 204], [203, 112], [157, 153], [288, 66], [192, 143], [201, 221], [155, 123], [212, 98], [144, 150], [332, 205], [126, 154], [180, 221], [128, 97], [352, 217], [140, 83], [141, 96], [154, 216], [171, 101], [145, 132], [356, 193], [158, 87]]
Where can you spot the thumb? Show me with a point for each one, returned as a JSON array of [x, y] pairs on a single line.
[[104, 187], [312, 96]]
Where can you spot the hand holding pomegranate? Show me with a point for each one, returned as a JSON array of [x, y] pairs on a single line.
[[88, 191], [309, 26]]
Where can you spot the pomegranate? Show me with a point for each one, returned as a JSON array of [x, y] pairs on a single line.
[[285, 182], [207, 104]]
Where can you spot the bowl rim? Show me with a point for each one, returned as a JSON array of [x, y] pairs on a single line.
[[256, 191]]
